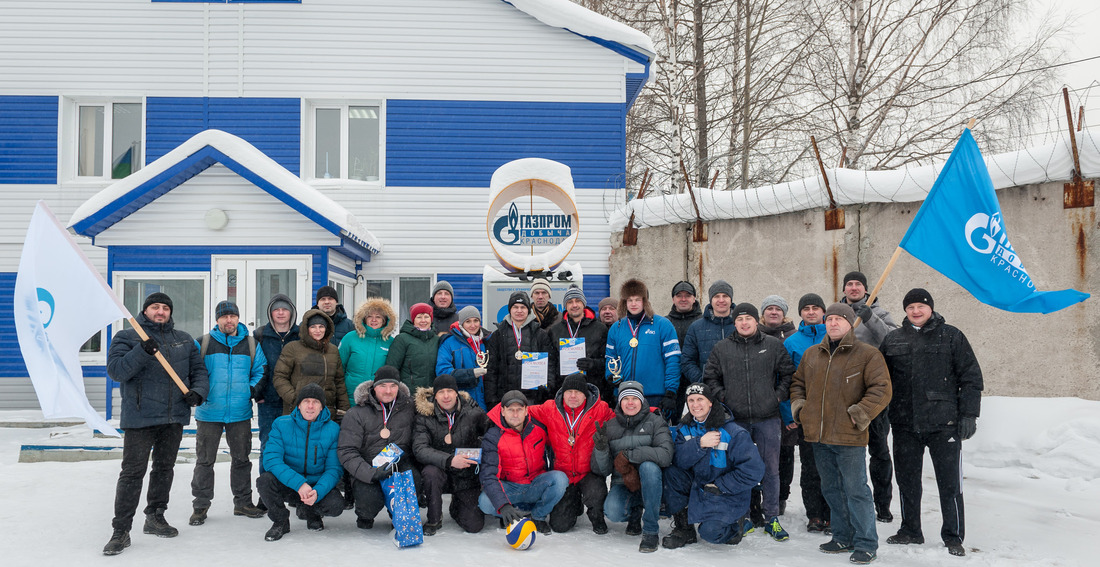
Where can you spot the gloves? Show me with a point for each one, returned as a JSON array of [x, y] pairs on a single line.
[[479, 372], [257, 393], [967, 427], [511, 514], [600, 437], [668, 405], [712, 488], [631, 480], [380, 473], [585, 364], [865, 313], [192, 398], [150, 346]]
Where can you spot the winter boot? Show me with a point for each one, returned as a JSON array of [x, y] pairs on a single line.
[[904, 539], [682, 534], [119, 540], [599, 525], [278, 530], [862, 557], [198, 517], [156, 525], [315, 524], [431, 528], [955, 549], [634, 523], [816, 525], [543, 527], [649, 543], [364, 524], [756, 508], [882, 514], [248, 510]]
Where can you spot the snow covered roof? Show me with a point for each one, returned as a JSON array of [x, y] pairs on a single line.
[[584, 22], [1051, 162], [124, 197]]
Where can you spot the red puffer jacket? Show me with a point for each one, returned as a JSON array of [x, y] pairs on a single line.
[[508, 455], [573, 460]]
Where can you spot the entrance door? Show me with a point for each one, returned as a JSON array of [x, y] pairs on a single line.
[[251, 281]]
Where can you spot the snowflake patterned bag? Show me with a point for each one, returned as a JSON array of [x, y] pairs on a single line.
[[404, 509]]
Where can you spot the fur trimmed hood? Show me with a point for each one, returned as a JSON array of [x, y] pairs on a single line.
[[381, 305], [425, 401], [364, 393]]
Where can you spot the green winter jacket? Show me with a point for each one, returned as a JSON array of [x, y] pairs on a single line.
[[413, 352]]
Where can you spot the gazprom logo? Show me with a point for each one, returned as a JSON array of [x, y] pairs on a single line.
[[986, 235], [515, 229], [45, 307]]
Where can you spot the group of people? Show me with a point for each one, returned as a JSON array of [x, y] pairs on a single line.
[[532, 419]]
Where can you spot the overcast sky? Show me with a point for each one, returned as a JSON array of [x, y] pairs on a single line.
[[1081, 43]]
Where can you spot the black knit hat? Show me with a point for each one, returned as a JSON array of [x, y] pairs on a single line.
[[327, 291], [701, 389], [386, 374], [574, 381], [858, 276], [157, 297], [745, 309], [519, 297], [918, 295], [811, 299], [311, 390], [317, 319], [683, 286], [444, 382]]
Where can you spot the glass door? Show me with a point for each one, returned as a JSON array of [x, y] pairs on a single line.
[[251, 282]]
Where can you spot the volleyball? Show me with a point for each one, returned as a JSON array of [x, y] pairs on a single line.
[[521, 534]]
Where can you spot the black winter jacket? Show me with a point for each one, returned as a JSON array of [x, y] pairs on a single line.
[[272, 344], [751, 375], [504, 372], [681, 321], [643, 437], [360, 432], [430, 433], [594, 333], [935, 376]]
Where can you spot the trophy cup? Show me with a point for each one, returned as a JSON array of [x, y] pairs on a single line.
[[482, 359], [615, 365]]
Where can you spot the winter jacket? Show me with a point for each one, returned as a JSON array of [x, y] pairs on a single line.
[[149, 395], [681, 321], [548, 318], [655, 362], [594, 333], [443, 317], [272, 343], [413, 352], [735, 475], [508, 455], [430, 431], [781, 331], [830, 390], [643, 437], [751, 375], [300, 451], [307, 360], [574, 458], [232, 374], [796, 344], [873, 331], [456, 357], [504, 372], [934, 375], [361, 431], [363, 352], [700, 339], [341, 324]]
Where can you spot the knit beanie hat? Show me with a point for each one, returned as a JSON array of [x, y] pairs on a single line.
[[281, 304], [776, 301], [811, 299], [574, 292], [468, 312], [312, 390], [386, 374], [843, 310], [858, 276], [442, 285], [318, 319], [683, 286], [541, 283], [745, 309], [419, 308], [574, 381], [700, 389], [519, 297], [631, 388], [918, 295], [157, 297], [608, 302], [720, 286], [226, 308], [444, 382], [327, 291]]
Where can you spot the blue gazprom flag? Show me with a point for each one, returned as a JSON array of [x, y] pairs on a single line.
[[960, 233]]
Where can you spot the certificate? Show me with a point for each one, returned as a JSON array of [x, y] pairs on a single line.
[[535, 365], [572, 350]]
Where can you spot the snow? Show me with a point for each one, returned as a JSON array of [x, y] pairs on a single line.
[[577, 19], [1031, 485], [1051, 162], [249, 157]]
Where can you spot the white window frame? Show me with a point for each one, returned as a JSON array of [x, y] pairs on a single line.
[[99, 357], [309, 145], [69, 137], [118, 280], [395, 287]]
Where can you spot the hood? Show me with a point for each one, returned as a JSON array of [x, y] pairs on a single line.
[[303, 331], [588, 314], [364, 393], [376, 304], [812, 331], [425, 401], [282, 297], [590, 400], [689, 314]]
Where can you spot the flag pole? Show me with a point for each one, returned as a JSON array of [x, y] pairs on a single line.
[[164, 361]]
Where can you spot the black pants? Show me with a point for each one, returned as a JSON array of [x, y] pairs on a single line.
[[369, 498], [275, 493], [208, 437], [590, 491], [945, 449], [463, 507], [164, 442], [810, 482], [881, 468]]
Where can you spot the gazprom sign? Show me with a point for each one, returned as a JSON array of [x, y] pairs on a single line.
[[532, 220], [515, 229]]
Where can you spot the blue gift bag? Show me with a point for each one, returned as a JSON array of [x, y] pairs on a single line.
[[404, 509]]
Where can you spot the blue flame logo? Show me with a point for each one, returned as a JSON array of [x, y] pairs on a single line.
[[511, 222], [45, 307]]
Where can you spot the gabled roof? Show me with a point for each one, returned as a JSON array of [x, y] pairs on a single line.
[[590, 25], [119, 200]]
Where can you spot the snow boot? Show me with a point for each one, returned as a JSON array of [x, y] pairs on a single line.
[[882, 514], [248, 510], [543, 527], [198, 517], [156, 525], [956, 549], [904, 539], [816, 525], [599, 525], [278, 530], [649, 543], [862, 557], [430, 528], [634, 523], [682, 534], [119, 540]]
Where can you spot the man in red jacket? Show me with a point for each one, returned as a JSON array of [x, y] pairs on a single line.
[[571, 419]]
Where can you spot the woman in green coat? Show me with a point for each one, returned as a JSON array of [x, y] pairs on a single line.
[[413, 352], [365, 350]]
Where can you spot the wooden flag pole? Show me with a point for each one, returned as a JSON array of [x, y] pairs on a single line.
[[160, 357]]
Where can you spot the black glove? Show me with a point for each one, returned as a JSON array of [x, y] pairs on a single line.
[[511, 514], [382, 472], [257, 393], [600, 437], [668, 405], [967, 427], [150, 346], [865, 313], [585, 364], [712, 488], [192, 398]]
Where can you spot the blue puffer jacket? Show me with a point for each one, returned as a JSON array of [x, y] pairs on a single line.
[[655, 362], [232, 376], [701, 337], [300, 451], [734, 468], [457, 358], [149, 396], [796, 344]]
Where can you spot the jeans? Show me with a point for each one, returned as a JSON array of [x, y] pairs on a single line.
[[208, 436], [621, 503], [945, 449], [275, 493], [164, 442], [843, 472], [767, 436], [590, 491], [539, 497], [266, 413]]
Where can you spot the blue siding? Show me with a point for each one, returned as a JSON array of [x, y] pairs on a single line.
[[468, 289], [273, 125], [28, 139], [461, 143], [11, 361], [596, 287]]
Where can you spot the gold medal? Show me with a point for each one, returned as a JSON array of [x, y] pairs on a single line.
[[519, 355], [634, 342], [447, 439], [385, 433]]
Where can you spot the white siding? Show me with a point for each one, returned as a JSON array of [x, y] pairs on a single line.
[[15, 215], [434, 49], [18, 394]]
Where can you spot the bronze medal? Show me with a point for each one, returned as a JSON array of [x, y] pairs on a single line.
[[385, 433], [519, 355], [447, 439], [572, 439], [634, 342]]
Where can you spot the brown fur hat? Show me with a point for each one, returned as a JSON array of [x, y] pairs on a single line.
[[630, 288]]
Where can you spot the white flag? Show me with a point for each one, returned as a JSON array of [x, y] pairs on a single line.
[[60, 301]]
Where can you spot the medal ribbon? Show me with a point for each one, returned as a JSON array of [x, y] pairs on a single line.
[[573, 422], [385, 415], [572, 333], [633, 329], [450, 422], [518, 333]]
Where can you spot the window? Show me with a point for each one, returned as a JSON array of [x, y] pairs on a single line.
[[188, 293], [410, 291], [347, 142], [108, 139]]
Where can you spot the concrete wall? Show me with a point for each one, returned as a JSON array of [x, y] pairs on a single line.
[[792, 254]]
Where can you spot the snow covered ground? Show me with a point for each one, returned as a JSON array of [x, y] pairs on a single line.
[[1032, 498]]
